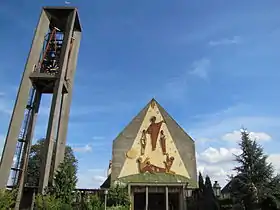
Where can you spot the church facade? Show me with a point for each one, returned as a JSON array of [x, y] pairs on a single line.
[[155, 158]]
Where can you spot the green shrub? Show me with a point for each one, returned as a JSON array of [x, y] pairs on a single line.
[[7, 199], [49, 202], [118, 196], [94, 203], [118, 208]]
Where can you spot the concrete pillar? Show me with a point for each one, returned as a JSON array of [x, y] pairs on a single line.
[[166, 199], [27, 147], [51, 136], [131, 195], [66, 102], [21, 101], [147, 198], [182, 204]]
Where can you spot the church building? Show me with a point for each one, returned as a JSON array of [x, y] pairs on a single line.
[[155, 158]]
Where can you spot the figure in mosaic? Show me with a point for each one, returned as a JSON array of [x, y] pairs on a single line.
[[163, 142], [143, 142], [153, 130]]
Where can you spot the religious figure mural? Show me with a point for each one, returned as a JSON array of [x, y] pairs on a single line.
[[168, 163], [143, 142], [163, 142], [153, 130], [147, 166], [153, 149]]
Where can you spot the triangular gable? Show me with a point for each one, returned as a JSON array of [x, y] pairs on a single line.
[[185, 144], [159, 149], [124, 141]]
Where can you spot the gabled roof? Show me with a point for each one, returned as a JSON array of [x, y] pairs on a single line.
[[184, 143], [226, 189]]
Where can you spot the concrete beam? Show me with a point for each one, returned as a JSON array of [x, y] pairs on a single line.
[[21, 100], [66, 102], [51, 136]]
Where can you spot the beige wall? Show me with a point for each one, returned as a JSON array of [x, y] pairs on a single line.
[[130, 166]]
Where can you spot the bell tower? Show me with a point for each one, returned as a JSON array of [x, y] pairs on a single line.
[[50, 69]]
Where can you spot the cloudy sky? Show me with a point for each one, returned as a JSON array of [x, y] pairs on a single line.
[[212, 64]]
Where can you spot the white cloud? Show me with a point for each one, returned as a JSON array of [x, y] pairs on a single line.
[[275, 160], [213, 155], [219, 163], [217, 172], [201, 67], [225, 41], [98, 179], [83, 149], [91, 178], [235, 136]]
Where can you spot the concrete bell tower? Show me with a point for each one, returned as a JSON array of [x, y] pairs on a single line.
[[50, 69]]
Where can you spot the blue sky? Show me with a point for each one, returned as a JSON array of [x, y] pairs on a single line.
[[213, 65]]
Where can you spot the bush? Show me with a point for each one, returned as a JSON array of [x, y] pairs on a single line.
[[118, 196], [50, 202], [118, 208], [94, 203], [7, 199]]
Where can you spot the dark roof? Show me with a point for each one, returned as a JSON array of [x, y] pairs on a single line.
[[226, 189], [107, 183]]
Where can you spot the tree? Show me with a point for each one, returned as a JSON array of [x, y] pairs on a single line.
[[64, 182], [209, 199], [43, 202], [255, 181], [118, 196], [35, 159], [200, 182]]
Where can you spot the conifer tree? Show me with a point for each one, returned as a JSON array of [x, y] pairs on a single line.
[[209, 198], [200, 182], [255, 179]]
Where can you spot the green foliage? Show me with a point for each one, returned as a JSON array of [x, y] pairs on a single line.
[[253, 162], [46, 202], [118, 208], [94, 203], [7, 199], [118, 196], [208, 189], [255, 183], [50, 202], [35, 158], [65, 181], [209, 199], [200, 182]]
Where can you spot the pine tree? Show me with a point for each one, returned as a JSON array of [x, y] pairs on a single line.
[[253, 161], [255, 176]]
